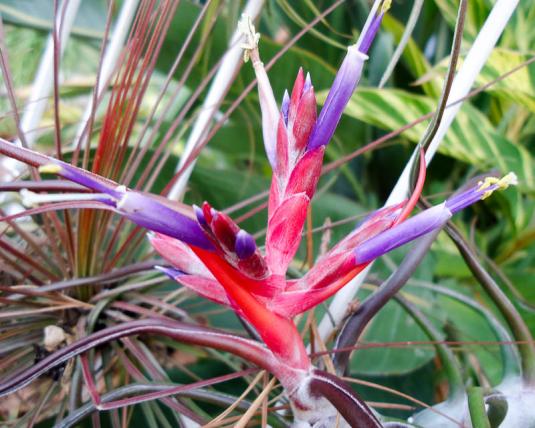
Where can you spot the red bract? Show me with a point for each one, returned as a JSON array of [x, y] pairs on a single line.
[[220, 261], [253, 283], [236, 273]]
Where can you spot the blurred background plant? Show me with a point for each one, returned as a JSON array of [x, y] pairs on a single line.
[[143, 115]]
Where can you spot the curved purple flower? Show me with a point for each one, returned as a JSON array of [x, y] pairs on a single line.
[[429, 220], [143, 209]]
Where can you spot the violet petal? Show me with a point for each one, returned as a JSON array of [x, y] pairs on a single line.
[[151, 214], [483, 189], [429, 219], [367, 40], [245, 245], [344, 84], [285, 106], [171, 272], [80, 176], [403, 233], [200, 216]]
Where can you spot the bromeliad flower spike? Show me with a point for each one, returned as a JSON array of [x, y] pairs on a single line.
[[210, 254]]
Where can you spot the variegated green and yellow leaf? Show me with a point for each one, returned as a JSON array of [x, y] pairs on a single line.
[[476, 14], [471, 138], [518, 87]]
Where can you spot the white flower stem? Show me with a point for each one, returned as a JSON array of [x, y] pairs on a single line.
[[113, 51], [473, 63], [41, 88], [44, 79], [30, 199], [218, 89]]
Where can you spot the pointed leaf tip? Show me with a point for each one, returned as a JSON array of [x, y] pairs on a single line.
[[296, 94], [305, 119]]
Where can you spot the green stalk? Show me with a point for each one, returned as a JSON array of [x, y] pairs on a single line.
[[476, 405]]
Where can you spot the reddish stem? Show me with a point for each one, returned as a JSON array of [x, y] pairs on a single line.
[[203, 336]]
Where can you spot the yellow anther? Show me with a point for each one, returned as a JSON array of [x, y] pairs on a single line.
[[50, 168], [500, 183], [386, 5]]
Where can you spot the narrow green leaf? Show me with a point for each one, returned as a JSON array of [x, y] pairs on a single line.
[[413, 57], [478, 11]]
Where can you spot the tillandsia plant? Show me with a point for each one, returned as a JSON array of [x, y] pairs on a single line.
[[208, 252]]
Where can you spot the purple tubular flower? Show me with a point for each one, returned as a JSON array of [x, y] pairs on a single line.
[[245, 245], [285, 106], [407, 231], [371, 32], [153, 215], [344, 85], [428, 220], [481, 191], [345, 82], [200, 216], [81, 177], [142, 209]]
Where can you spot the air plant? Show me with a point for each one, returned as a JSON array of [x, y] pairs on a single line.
[[206, 251]]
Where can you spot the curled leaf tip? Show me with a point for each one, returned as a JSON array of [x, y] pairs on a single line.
[[497, 183], [50, 168]]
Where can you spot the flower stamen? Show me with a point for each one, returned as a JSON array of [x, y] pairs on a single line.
[[386, 5], [497, 184]]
